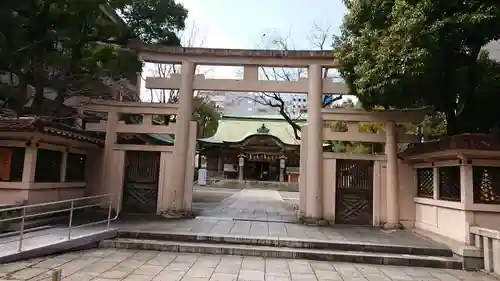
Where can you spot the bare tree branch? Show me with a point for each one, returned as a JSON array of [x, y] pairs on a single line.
[[189, 38], [319, 39], [204, 111]]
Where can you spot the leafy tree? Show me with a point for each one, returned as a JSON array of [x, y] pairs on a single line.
[[407, 53], [68, 45], [365, 127], [433, 126], [206, 115], [153, 21]]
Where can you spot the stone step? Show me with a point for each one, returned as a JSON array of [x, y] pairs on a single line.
[[437, 251], [284, 252]]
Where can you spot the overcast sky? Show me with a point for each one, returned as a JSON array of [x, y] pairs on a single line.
[[242, 24]]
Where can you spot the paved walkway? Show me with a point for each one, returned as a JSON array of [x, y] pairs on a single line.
[[253, 204], [206, 198], [131, 265]]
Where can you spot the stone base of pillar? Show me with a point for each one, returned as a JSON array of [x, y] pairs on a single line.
[[314, 221], [388, 225], [176, 214]]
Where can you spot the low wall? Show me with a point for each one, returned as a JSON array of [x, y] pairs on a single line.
[[486, 219], [443, 218], [28, 191], [46, 192], [35, 193], [453, 219], [12, 196]]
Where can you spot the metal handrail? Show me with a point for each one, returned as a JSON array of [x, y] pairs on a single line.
[[71, 210], [50, 212], [55, 202]]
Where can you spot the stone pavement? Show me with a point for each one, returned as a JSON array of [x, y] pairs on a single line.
[[206, 197], [253, 204], [131, 265]]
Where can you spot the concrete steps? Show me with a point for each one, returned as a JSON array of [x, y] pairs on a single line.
[[289, 248]]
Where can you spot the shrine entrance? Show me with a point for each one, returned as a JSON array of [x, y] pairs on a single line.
[[354, 192], [355, 187], [262, 156], [140, 191], [262, 167]]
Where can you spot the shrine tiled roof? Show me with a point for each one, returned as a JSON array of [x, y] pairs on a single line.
[[35, 124], [234, 129], [457, 142]]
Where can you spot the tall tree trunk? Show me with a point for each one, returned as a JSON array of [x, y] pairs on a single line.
[[451, 123], [22, 88], [70, 73], [468, 102], [39, 85]]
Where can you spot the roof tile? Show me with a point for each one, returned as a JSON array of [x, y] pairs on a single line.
[[36, 124], [238, 129], [460, 142]]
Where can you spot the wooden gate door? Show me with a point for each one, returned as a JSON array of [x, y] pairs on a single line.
[[140, 193], [354, 192]]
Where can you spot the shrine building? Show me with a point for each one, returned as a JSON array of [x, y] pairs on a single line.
[[252, 148]]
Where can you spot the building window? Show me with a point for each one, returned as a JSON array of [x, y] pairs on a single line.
[[449, 183], [48, 166], [75, 167], [486, 184], [425, 178], [11, 163]]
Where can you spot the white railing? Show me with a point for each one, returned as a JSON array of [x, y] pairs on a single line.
[[488, 240], [45, 209]]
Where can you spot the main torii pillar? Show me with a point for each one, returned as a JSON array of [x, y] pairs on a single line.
[[314, 166], [175, 196]]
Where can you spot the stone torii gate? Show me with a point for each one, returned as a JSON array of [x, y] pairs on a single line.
[[313, 183], [187, 82]]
